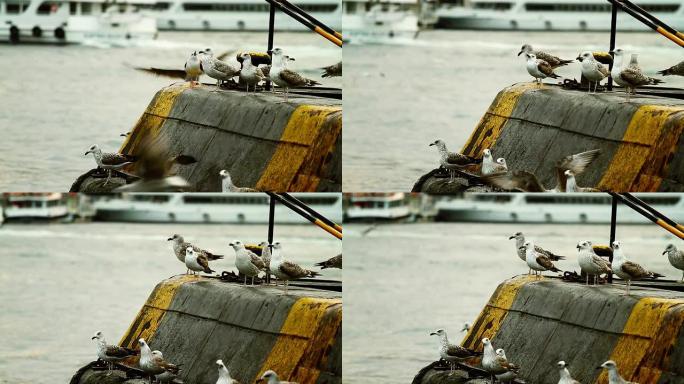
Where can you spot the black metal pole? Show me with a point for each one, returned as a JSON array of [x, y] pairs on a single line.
[[271, 219], [310, 210], [613, 31], [271, 32], [613, 222]]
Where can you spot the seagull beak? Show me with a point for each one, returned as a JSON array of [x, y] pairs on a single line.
[[93, 338], [599, 367], [519, 53], [85, 154], [523, 247], [432, 333], [664, 252], [259, 380], [231, 244], [431, 144], [169, 239], [511, 238]]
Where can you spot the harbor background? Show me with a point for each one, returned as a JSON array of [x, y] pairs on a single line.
[[63, 282], [411, 279], [59, 100], [401, 97]]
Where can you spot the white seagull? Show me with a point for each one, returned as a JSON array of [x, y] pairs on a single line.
[[250, 75], [270, 377], [512, 372], [166, 376], [521, 251], [613, 375], [590, 262], [193, 69], [180, 246], [452, 161], [565, 377], [196, 262], [491, 167], [571, 184], [554, 61], [217, 69], [228, 186], [153, 364], [452, 353], [539, 69], [224, 375], [536, 260], [592, 70], [675, 257], [246, 261], [493, 363], [111, 353]]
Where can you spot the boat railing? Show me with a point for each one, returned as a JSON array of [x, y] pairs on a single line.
[[645, 18], [645, 210]]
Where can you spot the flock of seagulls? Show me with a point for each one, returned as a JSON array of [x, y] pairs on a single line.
[[541, 260], [497, 365], [251, 72], [497, 174], [271, 262], [157, 369], [541, 65]]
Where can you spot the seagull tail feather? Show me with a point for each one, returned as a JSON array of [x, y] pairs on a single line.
[[322, 264], [655, 275], [565, 62], [313, 273], [655, 81], [665, 72]]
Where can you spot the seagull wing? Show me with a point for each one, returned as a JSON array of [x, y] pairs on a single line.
[[226, 68], [293, 270], [460, 159], [460, 352], [545, 68], [576, 163], [332, 70], [294, 79], [550, 59], [552, 256], [333, 262], [546, 262], [171, 73], [634, 77], [600, 263], [256, 260], [603, 69], [204, 263], [116, 159], [674, 70], [634, 270], [121, 352], [517, 180]]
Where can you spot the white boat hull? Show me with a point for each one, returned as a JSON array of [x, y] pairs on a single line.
[[233, 21]]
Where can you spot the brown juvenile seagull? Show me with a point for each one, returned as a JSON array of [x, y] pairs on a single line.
[[285, 78], [538, 261], [452, 353], [333, 262], [553, 61], [527, 182], [154, 364], [286, 270], [111, 353], [332, 70], [196, 262], [180, 246], [628, 270], [109, 160], [452, 161], [519, 246], [673, 70]]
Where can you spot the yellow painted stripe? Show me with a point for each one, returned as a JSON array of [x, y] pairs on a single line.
[[493, 314], [151, 314], [300, 337], [648, 337], [488, 129], [298, 140], [633, 159], [149, 124]]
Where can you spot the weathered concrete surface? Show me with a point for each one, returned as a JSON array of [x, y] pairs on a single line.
[[641, 141], [539, 322], [262, 141], [196, 320]]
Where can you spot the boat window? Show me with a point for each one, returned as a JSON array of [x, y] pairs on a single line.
[[48, 8], [498, 6], [396, 203], [86, 8], [660, 200], [73, 7], [158, 6], [150, 198], [15, 8], [493, 197], [323, 200], [318, 7], [223, 7], [351, 7], [584, 7], [215, 199], [569, 199]]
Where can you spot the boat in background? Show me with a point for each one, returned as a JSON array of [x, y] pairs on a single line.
[[552, 208], [75, 22], [377, 206], [380, 21], [241, 15], [237, 208], [551, 15], [34, 206]]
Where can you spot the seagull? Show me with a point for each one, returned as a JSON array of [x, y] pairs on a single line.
[[196, 262], [284, 77], [333, 70], [571, 184], [552, 60], [266, 257], [247, 262], [109, 161], [466, 327], [527, 182], [565, 377], [224, 375], [590, 262], [333, 262], [522, 252], [613, 375], [270, 377], [674, 70], [180, 246], [286, 270], [250, 74], [217, 69], [166, 376], [539, 69], [111, 353], [489, 166], [452, 161], [628, 270], [676, 258], [193, 69], [493, 363], [154, 365], [630, 77], [266, 69], [452, 353], [536, 260], [592, 70], [512, 373], [228, 186]]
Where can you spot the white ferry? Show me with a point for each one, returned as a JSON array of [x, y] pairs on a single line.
[[377, 206], [240, 208], [34, 206], [73, 22], [552, 15], [591, 208], [240, 15], [380, 21]]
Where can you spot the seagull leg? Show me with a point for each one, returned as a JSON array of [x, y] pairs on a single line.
[[109, 175], [286, 284], [252, 280], [682, 280], [245, 280], [628, 284]]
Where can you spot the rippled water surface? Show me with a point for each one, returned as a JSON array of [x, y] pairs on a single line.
[[61, 283], [400, 98], [404, 281], [55, 102]]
